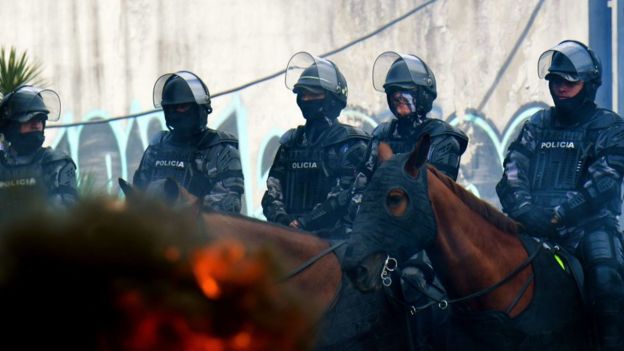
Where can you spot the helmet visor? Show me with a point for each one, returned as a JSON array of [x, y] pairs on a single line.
[[581, 65], [416, 72], [196, 86], [305, 71], [28, 101]]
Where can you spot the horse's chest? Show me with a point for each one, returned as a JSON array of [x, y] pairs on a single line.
[[361, 322], [552, 321]]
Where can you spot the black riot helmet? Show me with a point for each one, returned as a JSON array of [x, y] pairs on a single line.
[[306, 72], [183, 87], [397, 72], [572, 61], [179, 88], [22, 105], [27, 102]]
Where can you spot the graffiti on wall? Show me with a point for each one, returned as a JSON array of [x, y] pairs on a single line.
[[111, 150]]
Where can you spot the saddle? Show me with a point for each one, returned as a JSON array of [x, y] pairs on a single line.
[[568, 262]]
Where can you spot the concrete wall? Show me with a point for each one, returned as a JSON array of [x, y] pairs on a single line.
[[104, 56]]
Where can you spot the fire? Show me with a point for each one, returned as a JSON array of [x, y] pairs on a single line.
[[237, 306], [226, 263], [141, 280], [210, 287]]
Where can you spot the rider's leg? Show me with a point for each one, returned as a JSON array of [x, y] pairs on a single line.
[[602, 257]]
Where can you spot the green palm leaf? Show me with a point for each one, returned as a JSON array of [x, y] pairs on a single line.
[[16, 70]]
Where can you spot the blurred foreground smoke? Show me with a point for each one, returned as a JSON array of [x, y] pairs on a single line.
[[106, 276]]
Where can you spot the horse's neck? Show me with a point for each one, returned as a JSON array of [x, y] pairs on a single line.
[[319, 282], [291, 244], [471, 254]]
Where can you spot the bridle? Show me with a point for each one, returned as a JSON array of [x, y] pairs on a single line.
[[390, 270]]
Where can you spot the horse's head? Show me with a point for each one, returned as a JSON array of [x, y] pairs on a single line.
[[167, 190], [395, 218]]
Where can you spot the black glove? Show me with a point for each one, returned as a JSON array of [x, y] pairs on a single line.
[[284, 218], [538, 221], [571, 210]]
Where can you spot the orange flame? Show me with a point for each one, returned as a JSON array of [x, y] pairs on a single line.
[[225, 263]]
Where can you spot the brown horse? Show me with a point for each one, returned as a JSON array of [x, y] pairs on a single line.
[[511, 292], [352, 320]]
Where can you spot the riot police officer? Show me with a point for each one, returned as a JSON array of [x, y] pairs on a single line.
[[28, 170], [205, 161], [562, 180], [309, 182], [410, 89]]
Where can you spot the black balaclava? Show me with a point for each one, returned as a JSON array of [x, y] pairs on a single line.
[[186, 126], [577, 108], [320, 114], [24, 143]]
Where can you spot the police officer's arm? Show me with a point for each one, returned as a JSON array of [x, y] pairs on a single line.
[[273, 200], [514, 189], [445, 154], [363, 175], [63, 184], [229, 185], [141, 175], [605, 178], [352, 155]]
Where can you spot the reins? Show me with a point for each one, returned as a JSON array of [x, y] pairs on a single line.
[[443, 303], [305, 265]]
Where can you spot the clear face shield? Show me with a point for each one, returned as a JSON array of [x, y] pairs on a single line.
[[305, 71], [386, 71], [28, 102], [194, 84], [576, 63]]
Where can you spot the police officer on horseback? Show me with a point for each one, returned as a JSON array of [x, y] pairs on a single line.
[[562, 180], [309, 183], [29, 171], [205, 161], [410, 89]]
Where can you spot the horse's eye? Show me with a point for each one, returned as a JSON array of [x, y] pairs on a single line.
[[396, 202]]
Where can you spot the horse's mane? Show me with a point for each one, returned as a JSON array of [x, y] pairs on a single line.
[[487, 211]]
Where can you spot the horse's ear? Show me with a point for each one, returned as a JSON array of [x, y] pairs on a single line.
[[384, 152], [126, 188], [418, 157], [176, 193]]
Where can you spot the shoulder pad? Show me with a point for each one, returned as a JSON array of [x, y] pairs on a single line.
[[50, 155], [214, 137], [438, 127], [604, 118], [158, 137], [541, 118], [435, 127], [339, 133], [384, 129], [290, 136]]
